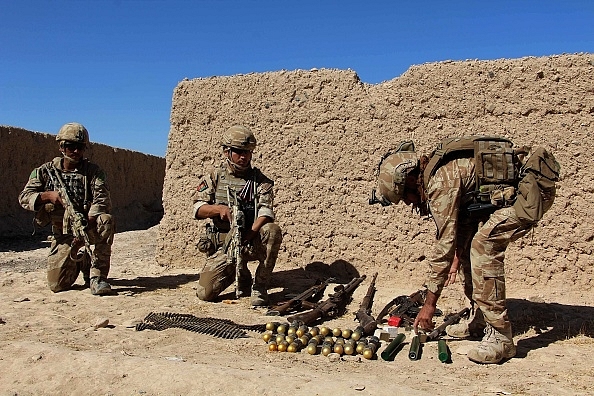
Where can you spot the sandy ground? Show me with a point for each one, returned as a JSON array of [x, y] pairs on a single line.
[[50, 345]]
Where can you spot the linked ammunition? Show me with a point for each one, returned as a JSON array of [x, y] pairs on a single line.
[[272, 347], [336, 332], [314, 331], [267, 336], [222, 328], [347, 333]]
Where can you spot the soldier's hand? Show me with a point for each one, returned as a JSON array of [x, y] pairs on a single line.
[[225, 213], [52, 197], [424, 319]]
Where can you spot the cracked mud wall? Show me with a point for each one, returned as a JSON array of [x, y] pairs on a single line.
[[322, 132], [135, 180]]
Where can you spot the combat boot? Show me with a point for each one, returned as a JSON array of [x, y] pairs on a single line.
[[259, 296], [474, 328], [99, 286], [244, 283], [494, 347]]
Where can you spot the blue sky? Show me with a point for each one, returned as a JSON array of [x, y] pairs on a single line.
[[113, 65]]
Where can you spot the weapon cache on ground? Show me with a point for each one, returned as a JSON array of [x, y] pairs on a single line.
[[333, 306], [363, 315], [77, 220], [404, 309], [304, 300], [222, 328]]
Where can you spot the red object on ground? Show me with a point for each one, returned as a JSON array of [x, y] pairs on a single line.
[[394, 321]]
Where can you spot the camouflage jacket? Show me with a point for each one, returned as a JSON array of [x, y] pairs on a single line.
[[447, 192], [88, 174], [212, 190]]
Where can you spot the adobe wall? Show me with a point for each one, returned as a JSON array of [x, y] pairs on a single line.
[[322, 132], [135, 180]]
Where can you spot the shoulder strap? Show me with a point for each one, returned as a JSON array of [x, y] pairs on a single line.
[[459, 147]]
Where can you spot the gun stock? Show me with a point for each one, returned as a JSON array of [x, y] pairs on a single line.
[[363, 315], [313, 294], [448, 320]]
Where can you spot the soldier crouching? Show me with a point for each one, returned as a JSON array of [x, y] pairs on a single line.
[[252, 192]]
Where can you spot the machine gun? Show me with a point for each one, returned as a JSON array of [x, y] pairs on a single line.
[[363, 315], [333, 306], [306, 299], [73, 219], [232, 245]]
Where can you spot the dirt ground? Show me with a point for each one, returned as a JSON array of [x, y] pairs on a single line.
[[51, 344]]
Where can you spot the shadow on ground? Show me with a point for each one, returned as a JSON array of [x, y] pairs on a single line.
[[550, 321], [144, 284]]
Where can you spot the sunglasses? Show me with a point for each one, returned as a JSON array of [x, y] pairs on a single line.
[[240, 151], [72, 146]]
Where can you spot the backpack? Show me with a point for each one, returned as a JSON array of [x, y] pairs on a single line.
[[497, 168]]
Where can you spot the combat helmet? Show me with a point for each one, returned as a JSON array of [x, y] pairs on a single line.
[[392, 171], [239, 137], [73, 132]]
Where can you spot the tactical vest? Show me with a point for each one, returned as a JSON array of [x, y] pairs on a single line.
[[244, 189], [497, 168]]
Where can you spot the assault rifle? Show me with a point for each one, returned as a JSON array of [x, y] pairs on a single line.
[[404, 307], [306, 299], [363, 315], [333, 306], [447, 321], [74, 220], [232, 245]]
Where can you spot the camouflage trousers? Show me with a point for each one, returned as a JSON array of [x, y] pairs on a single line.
[[63, 271], [482, 247], [218, 274]]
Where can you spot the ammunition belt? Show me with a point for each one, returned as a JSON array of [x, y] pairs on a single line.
[[222, 328]]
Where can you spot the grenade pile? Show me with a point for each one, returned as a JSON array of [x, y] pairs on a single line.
[[296, 336]]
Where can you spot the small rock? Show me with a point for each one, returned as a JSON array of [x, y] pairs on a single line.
[[101, 322], [21, 299], [334, 357]]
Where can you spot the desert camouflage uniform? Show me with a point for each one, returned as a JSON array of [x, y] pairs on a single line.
[[480, 240], [62, 271], [218, 274]]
